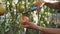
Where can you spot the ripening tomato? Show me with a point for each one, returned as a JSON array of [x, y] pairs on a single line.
[[20, 8], [25, 20], [2, 10]]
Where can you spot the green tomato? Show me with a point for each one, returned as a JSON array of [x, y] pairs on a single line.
[[21, 9]]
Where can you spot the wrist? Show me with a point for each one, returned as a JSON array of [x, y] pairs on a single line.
[[35, 27]]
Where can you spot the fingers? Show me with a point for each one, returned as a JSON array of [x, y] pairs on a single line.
[[39, 4], [24, 23]]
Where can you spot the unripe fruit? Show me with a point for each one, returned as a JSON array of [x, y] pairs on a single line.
[[20, 8]]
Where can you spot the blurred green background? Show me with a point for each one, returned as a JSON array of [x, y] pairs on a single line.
[[16, 9]]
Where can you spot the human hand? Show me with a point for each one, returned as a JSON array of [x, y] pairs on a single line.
[[39, 4], [26, 23]]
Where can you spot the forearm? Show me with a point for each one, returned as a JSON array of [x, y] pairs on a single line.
[[50, 3], [46, 30], [53, 4], [50, 30], [35, 27]]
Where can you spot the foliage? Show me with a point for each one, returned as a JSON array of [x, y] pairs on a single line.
[[10, 22]]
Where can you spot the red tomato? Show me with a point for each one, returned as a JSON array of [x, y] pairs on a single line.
[[25, 20], [2, 10]]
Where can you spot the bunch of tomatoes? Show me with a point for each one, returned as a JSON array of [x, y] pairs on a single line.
[[20, 9]]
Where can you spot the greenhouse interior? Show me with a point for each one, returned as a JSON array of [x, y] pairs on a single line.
[[14, 12]]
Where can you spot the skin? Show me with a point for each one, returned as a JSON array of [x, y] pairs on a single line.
[[55, 5], [44, 30]]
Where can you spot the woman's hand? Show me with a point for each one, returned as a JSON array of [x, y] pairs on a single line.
[[51, 4], [39, 4], [26, 23]]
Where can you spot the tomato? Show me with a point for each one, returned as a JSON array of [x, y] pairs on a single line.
[[2, 10], [25, 20], [21, 8]]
